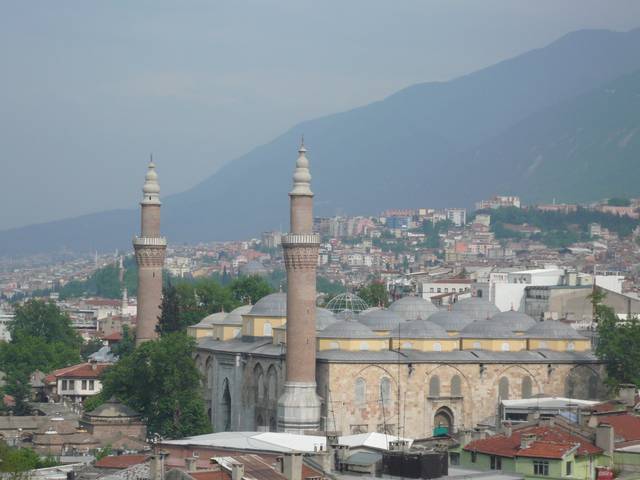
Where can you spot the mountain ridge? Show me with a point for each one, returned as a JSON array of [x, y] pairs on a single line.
[[404, 150]]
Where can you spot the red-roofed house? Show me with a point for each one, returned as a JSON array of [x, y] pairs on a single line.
[[76, 382], [548, 450]]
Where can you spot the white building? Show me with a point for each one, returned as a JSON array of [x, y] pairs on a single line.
[[5, 321], [437, 287], [457, 216]]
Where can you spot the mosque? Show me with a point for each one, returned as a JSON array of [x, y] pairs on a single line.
[[284, 364]]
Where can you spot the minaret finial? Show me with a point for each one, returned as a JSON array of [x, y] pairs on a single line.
[[301, 176]]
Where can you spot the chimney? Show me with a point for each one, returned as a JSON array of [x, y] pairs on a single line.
[[292, 466], [190, 463], [627, 395], [157, 467], [526, 440], [237, 471], [533, 416], [605, 438], [506, 429]]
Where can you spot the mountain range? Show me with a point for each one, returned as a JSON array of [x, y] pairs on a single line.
[[559, 122]]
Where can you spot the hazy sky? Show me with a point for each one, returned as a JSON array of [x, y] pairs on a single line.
[[89, 88]]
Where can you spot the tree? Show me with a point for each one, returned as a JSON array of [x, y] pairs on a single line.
[[375, 294], [17, 461], [126, 345], [617, 343], [249, 289], [37, 318], [161, 381], [90, 347]]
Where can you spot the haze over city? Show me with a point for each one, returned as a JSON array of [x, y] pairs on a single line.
[[90, 89]]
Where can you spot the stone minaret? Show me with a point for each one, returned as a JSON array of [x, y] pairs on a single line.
[[299, 405], [150, 248]]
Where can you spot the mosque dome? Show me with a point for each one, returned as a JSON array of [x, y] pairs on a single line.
[[381, 319], [516, 321], [476, 308], [347, 329], [370, 309], [487, 329], [554, 329], [413, 308], [451, 321], [112, 409], [324, 318], [273, 305], [234, 317], [419, 329], [212, 319], [347, 301]]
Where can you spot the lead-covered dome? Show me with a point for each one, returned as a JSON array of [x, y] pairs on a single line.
[[234, 317], [487, 329], [516, 321], [381, 319], [273, 305], [476, 308], [347, 329], [419, 329], [413, 308], [552, 330], [324, 318], [451, 321]]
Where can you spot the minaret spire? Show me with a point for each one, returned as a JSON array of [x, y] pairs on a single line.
[[299, 405], [150, 249]]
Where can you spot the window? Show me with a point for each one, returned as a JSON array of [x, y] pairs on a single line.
[[456, 386], [267, 330], [407, 345], [541, 467], [431, 289], [64, 385], [477, 345], [71, 384], [526, 387], [454, 458], [568, 469], [503, 388], [434, 386], [84, 384], [385, 391], [361, 391], [571, 346], [437, 347], [506, 347], [92, 385], [439, 291], [474, 457], [364, 346], [446, 289], [496, 462], [334, 345]]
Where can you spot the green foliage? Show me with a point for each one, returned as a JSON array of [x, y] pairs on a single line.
[[324, 285], [186, 303], [105, 282], [125, 346], [619, 202], [160, 380], [617, 344], [433, 231], [16, 461], [249, 289], [558, 229], [375, 294], [104, 452], [41, 339]]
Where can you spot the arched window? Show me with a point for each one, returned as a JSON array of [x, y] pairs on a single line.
[[506, 347], [592, 388], [364, 346], [258, 378], [434, 386], [437, 347], [407, 345], [334, 345], [267, 330], [385, 391], [456, 386], [361, 392], [477, 345], [226, 406], [571, 346], [503, 388], [526, 387], [208, 372], [272, 384]]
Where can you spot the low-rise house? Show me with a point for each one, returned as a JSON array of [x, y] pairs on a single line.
[[75, 383]]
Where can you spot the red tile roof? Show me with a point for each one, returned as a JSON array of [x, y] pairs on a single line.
[[551, 442], [121, 461], [82, 370], [624, 426], [113, 337]]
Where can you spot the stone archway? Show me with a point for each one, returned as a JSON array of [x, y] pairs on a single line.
[[226, 406], [443, 422]]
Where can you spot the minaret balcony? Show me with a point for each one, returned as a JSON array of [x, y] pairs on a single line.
[[292, 239], [149, 241]]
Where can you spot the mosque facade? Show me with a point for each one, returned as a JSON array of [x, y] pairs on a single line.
[[413, 370]]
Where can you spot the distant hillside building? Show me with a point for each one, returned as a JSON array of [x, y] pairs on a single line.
[[499, 201]]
